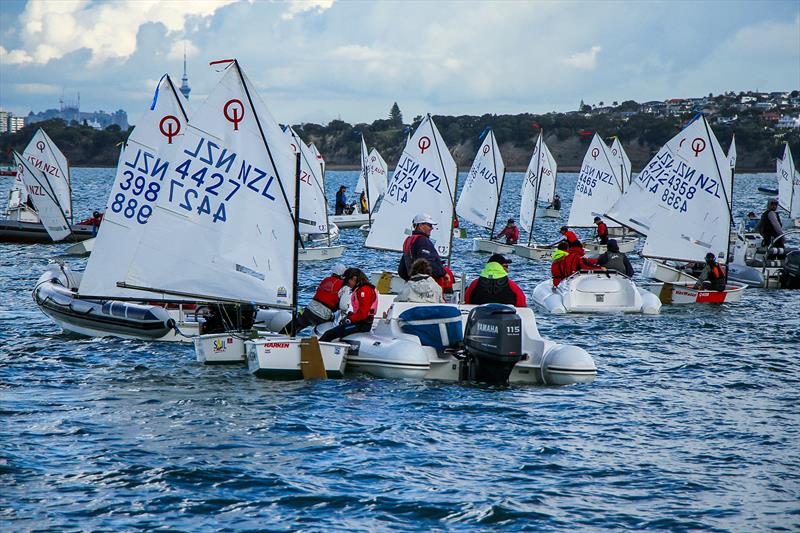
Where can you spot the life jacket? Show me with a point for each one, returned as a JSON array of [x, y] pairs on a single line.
[[492, 287], [569, 264], [571, 238], [764, 227], [364, 206], [716, 272], [511, 233], [446, 282], [363, 303], [328, 292], [602, 232], [615, 262]]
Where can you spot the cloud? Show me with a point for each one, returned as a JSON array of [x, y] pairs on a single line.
[[300, 6], [584, 60], [37, 88], [178, 48], [50, 30]]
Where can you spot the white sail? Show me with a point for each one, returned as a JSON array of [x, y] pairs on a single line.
[[688, 188], [143, 174], [481, 193], [222, 226], [313, 206], [622, 162], [42, 154], [530, 183], [732, 153], [23, 193], [547, 174], [44, 198], [788, 184], [599, 186], [378, 172], [318, 157], [423, 182]]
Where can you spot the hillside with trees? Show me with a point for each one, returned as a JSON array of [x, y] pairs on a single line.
[[642, 128]]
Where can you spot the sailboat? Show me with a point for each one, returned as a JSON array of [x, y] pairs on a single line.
[[480, 197], [91, 303], [548, 177], [40, 202], [788, 188], [424, 181], [378, 173], [600, 183], [682, 202], [359, 217], [540, 174], [315, 227]]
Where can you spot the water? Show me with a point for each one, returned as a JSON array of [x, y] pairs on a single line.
[[692, 422]]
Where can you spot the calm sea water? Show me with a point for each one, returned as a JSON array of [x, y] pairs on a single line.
[[693, 422]]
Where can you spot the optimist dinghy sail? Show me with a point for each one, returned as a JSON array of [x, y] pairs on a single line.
[[622, 162], [424, 182], [372, 180], [43, 155], [313, 205], [222, 225], [788, 184], [599, 186], [481, 193], [732, 153], [539, 183], [44, 197], [143, 174]]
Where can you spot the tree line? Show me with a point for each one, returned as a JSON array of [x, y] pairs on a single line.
[[567, 134]]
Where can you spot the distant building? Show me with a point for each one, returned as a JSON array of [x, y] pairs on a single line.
[[9, 123], [789, 122], [69, 111]]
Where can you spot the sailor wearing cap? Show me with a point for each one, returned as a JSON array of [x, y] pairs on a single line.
[[510, 232], [419, 245]]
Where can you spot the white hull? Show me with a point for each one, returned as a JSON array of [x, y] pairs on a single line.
[[683, 293], [488, 246], [595, 292], [388, 352], [332, 235], [280, 358], [661, 271], [81, 249], [349, 221], [320, 253], [626, 245], [549, 213], [534, 251]]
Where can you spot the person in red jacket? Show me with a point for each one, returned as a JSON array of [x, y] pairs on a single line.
[[602, 231], [363, 306], [494, 285], [570, 238], [322, 306], [510, 232], [567, 264]]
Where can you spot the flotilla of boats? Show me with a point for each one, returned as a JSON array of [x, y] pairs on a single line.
[[209, 215]]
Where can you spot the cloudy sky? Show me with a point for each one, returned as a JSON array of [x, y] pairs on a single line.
[[317, 60]]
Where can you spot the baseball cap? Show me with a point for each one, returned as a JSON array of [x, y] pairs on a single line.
[[510, 221], [338, 269], [423, 218], [498, 258]]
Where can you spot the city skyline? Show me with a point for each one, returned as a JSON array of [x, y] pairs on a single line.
[[319, 60]]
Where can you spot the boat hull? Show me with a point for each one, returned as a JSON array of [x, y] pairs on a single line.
[[595, 292], [626, 245], [279, 358], [349, 221], [535, 252], [549, 213], [491, 247], [35, 233], [320, 253], [681, 294]]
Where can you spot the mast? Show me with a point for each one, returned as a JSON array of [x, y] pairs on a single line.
[[365, 169], [729, 205], [538, 185], [296, 234], [499, 184]]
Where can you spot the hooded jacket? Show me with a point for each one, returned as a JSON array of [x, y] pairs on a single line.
[[494, 286], [569, 264], [420, 288]]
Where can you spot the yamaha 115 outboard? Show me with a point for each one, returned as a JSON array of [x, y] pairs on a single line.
[[493, 343]]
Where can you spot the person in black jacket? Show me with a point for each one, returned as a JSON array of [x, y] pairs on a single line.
[[613, 259], [341, 200], [419, 245]]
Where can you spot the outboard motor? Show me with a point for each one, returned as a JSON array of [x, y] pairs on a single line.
[[790, 277], [493, 343], [222, 318]]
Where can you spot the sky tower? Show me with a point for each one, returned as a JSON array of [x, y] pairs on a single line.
[[185, 89]]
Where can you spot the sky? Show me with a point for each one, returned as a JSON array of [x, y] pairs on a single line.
[[319, 60]]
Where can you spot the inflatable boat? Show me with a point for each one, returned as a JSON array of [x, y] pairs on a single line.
[[452, 342], [55, 294], [595, 292]]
